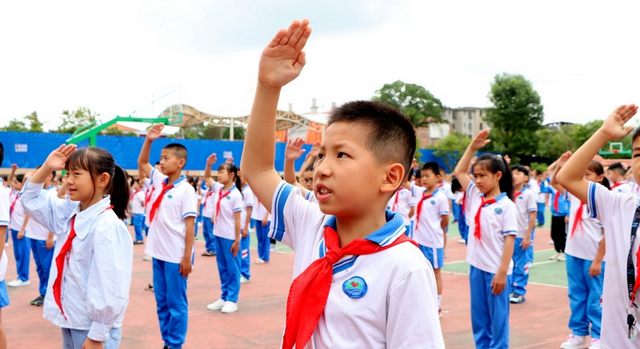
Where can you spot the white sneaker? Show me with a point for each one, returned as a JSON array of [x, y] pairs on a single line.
[[595, 343], [461, 241], [18, 283], [229, 307], [555, 256], [244, 280], [561, 257], [575, 342], [147, 257], [217, 305]]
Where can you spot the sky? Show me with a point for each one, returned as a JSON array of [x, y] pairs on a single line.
[[118, 57]]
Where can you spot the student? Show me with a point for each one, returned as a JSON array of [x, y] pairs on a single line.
[[227, 232], [5, 210], [619, 215], [137, 211], [461, 200], [616, 174], [432, 220], [559, 218], [525, 200], [261, 220], [171, 234], [93, 260], [210, 201], [343, 242], [17, 227], [245, 242], [42, 243], [490, 247], [402, 202], [542, 198], [292, 152]]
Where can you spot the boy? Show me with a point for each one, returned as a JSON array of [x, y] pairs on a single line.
[[402, 202], [616, 173], [432, 220], [42, 245], [525, 200], [137, 210], [542, 198], [21, 244], [619, 216], [171, 233], [366, 151]]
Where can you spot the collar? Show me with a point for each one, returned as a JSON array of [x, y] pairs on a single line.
[[84, 219], [499, 197], [230, 189], [434, 193], [386, 235], [524, 188], [50, 187], [246, 185], [182, 178]]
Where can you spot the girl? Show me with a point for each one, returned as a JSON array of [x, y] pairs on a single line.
[[227, 214], [245, 219], [89, 289], [559, 218], [585, 250], [493, 226], [137, 211]]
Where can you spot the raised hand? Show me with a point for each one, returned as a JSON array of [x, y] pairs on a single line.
[[155, 131], [212, 159], [294, 150], [480, 140], [613, 125], [57, 160], [314, 150], [229, 160], [283, 59], [564, 158], [14, 167]]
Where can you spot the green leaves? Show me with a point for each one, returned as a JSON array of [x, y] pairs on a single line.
[[415, 102], [17, 125], [73, 120]]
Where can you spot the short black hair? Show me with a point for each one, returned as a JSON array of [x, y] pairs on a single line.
[[455, 185], [434, 167], [520, 168], [635, 135], [179, 149], [20, 177], [617, 166], [391, 137]]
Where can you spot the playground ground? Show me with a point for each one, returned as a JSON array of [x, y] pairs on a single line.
[[540, 322]]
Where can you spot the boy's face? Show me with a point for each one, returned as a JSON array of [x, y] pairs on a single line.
[[307, 180], [635, 160], [347, 177], [170, 163], [519, 178], [613, 176], [17, 185], [429, 179]]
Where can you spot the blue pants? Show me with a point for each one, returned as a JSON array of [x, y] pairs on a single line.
[[489, 313], [584, 297], [199, 217], [463, 227], [170, 289], [73, 339], [138, 225], [246, 257], [22, 252], [43, 257], [262, 233], [522, 260], [457, 210], [540, 215], [207, 233], [229, 269]]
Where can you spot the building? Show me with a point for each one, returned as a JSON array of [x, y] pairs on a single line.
[[468, 121]]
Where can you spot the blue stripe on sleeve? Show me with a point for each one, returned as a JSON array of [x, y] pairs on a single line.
[[189, 214], [591, 200], [281, 199]]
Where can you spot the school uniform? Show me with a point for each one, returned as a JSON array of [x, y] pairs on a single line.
[[559, 210], [5, 207], [622, 187], [416, 195], [201, 195], [635, 188], [393, 309], [489, 313], [224, 230], [38, 236], [525, 201], [428, 233], [210, 201], [540, 200], [137, 211], [311, 196], [245, 242], [585, 292], [166, 244], [96, 273], [401, 202], [21, 247], [262, 231]]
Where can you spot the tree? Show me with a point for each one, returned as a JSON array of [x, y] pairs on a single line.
[[415, 102], [553, 143], [238, 133], [35, 125], [451, 148], [515, 116], [113, 131], [73, 120], [15, 125]]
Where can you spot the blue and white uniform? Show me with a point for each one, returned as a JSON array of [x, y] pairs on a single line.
[[245, 242], [401, 202], [623, 187], [399, 307], [38, 236], [21, 247], [522, 259], [137, 211], [210, 201], [428, 233], [262, 231], [5, 207], [225, 233]]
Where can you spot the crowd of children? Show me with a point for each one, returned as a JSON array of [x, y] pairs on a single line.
[[359, 204]]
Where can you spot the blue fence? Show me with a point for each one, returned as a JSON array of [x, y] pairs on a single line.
[[29, 150]]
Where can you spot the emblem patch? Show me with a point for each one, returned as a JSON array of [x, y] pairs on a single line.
[[433, 202], [228, 197], [355, 287], [498, 210], [169, 196]]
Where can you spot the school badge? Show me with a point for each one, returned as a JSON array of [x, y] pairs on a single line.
[[433, 202], [498, 210], [355, 287]]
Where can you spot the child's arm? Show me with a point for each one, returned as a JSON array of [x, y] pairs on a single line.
[[281, 62], [185, 264], [311, 158], [571, 177], [526, 241], [14, 167], [207, 170], [24, 226], [247, 222], [500, 279], [596, 266], [461, 171], [143, 159], [292, 152], [558, 166], [444, 223], [235, 247]]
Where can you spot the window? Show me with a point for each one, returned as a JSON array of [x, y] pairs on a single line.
[[480, 126], [470, 127], [453, 126]]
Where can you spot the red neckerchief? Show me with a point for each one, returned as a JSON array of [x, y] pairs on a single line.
[[156, 204], [477, 232], [419, 209], [220, 197], [578, 220]]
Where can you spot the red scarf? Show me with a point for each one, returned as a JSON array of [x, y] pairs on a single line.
[[477, 231], [13, 205], [615, 185], [134, 194], [394, 207], [578, 220], [220, 197], [209, 193], [309, 291], [147, 196], [419, 209], [555, 201], [156, 204], [516, 194]]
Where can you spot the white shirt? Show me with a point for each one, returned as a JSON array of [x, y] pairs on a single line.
[[525, 204], [17, 214], [585, 239], [225, 222], [446, 190], [210, 199], [401, 202], [247, 199], [428, 231], [97, 273], [166, 240], [615, 211], [416, 194], [635, 188], [5, 206], [497, 221], [399, 309], [137, 202], [622, 187], [259, 211], [35, 230], [311, 196]]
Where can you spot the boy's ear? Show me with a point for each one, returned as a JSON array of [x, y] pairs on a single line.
[[182, 162], [394, 177]]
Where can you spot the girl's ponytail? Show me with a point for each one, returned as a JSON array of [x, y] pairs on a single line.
[[119, 192], [506, 181]]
